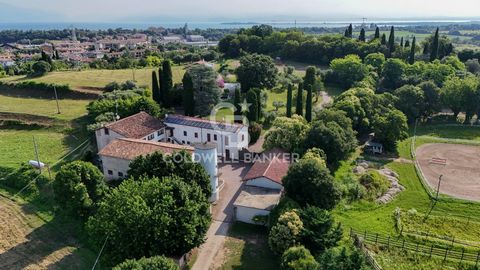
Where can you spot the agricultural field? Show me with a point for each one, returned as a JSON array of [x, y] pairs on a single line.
[[98, 78]]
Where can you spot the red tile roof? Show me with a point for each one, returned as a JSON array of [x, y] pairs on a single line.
[[136, 126], [130, 149], [274, 168]]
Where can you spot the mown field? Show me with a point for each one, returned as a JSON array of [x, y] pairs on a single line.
[[447, 219], [94, 78]]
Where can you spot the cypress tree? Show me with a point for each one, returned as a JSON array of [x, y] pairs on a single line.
[[426, 48], [188, 97], [384, 39], [258, 91], [411, 59], [155, 88], [435, 45], [401, 42], [252, 99], [308, 107], [391, 41], [236, 102], [407, 43], [299, 107], [289, 100], [346, 33], [350, 30], [362, 35], [166, 80], [310, 77], [161, 88], [377, 33]]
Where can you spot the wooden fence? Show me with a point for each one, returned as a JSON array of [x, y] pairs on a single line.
[[433, 250]]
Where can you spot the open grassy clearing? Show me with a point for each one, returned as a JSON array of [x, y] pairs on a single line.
[[246, 248], [378, 218], [98, 78]]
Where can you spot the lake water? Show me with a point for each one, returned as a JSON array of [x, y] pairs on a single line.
[[220, 25]]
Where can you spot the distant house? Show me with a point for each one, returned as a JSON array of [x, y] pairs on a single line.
[[195, 38], [139, 126], [118, 154], [374, 147]]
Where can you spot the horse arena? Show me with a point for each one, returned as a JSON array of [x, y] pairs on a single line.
[[459, 165]]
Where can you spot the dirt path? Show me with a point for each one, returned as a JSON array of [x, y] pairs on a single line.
[[326, 99], [27, 242]]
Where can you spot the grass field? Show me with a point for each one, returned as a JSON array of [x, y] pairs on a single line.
[[246, 248], [99, 78], [378, 218]]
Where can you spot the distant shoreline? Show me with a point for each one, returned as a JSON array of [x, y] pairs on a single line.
[[225, 25]]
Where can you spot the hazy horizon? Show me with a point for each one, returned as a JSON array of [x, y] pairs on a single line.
[[143, 11]]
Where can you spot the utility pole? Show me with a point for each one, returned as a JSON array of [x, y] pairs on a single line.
[[56, 99], [36, 154], [438, 187]]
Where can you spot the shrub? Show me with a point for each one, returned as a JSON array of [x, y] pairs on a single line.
[[286, 233], [375, 184], [285, 205], [157, 262], [112, 86], [254, 131], [298, 258], [22, 177]]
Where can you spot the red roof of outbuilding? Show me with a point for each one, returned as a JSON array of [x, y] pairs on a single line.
[[273, 167]]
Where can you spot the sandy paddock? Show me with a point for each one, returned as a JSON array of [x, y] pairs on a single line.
[[461, 175]]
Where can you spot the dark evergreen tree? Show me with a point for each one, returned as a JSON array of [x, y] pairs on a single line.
[[310, 77], [391, 41], [411, 58], [346, 33], [308, 106], [377, 33], [161, 86], [188, 95], [299, 107], [166, 81], [383, 41], [252, 99], [401, 42], [407, 43], [362, 35], [155, 88], [237, 101], [350, 30], [289, 100], [426, 48], [434, 46]]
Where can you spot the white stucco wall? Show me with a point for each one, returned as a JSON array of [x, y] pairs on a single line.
[[246, 214], [265, 183], [116, 165], [235, 143], [103, 140]]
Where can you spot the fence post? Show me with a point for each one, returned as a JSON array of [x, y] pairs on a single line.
[[431, 249], [376, 238], [446, 252], [453, 241], [463, 252], [365, 235]]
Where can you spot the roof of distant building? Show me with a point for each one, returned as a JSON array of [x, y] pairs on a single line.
[[130, 149], [202, 123], [136, 126], [272, 165]]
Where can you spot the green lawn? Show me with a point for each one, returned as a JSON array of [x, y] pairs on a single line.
[[100, 77], [70, 109], [16, 146], [246, 248]]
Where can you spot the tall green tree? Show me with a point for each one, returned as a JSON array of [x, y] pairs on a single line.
[[435, 46], [411, 58], [162, 95], [383, 41], [362, 35], [236, 101], [166, 81], [401, 42], [310, 77], [289, 100], [155, 88], [257, 71], [299, 107], [320, 232], [377, 33], [346, 34], [206, 92], [350, 30], [188, 95], [308, 106], [391, 41], [252, 100]]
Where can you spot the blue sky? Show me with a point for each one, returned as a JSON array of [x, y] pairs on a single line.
[[137, 10]]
